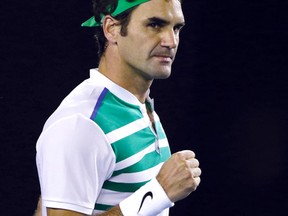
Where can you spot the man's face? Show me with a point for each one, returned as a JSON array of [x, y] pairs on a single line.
[[150, 46]]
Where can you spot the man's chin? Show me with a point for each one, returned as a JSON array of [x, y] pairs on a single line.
[[163, 75]]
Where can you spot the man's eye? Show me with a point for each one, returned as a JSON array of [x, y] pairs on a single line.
[[154, 25], [178, 28]]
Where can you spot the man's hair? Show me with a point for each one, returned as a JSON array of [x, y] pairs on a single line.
[[105, 7]]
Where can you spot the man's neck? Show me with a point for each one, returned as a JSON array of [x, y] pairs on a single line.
[[125, 78]]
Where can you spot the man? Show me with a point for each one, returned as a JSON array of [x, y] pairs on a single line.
[[104, 151]]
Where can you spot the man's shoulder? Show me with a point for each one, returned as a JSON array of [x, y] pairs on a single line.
[[80, 101]]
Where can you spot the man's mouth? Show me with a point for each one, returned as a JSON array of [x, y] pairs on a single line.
[[164, 57]]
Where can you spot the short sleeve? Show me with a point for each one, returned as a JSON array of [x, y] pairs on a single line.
[[73, 160]]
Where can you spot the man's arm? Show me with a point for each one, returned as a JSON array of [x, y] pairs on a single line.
[[179, 176], [115, 211]]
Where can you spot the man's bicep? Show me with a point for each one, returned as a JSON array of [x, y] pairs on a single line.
[[62, 212], [115, 211]]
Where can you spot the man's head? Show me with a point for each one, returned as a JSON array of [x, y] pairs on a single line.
[[141, 41], [107, 7]]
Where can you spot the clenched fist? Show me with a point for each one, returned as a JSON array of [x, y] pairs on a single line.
[[180, 175]]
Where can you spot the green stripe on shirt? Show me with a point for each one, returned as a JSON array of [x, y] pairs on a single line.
[[123, 187], [148, 161], [114, 113], [130, 145]]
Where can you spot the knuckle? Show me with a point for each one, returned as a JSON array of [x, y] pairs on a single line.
[[196, 172], [177, 155], [197, 162]]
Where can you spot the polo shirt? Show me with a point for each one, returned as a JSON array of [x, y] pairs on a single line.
[[98, 147]]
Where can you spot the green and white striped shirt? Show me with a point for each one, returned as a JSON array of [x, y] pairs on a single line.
[[98, 147]]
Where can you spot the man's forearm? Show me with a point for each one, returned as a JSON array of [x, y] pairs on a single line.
[[115, 211]]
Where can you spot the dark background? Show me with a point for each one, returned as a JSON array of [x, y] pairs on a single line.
[[226, 100]]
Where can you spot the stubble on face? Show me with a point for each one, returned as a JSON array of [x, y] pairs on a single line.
[[145, 49]]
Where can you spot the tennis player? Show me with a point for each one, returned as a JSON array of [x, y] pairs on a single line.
[[104, 150]]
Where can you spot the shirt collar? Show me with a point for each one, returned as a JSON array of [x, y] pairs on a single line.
[[115, 89]]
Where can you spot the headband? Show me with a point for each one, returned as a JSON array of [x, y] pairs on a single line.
[[122, 6]]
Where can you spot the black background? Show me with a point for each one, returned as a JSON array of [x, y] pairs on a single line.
[[226, 99]]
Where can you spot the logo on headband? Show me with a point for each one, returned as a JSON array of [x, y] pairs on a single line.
[[122, 6]]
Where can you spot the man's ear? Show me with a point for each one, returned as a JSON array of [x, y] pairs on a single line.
[[110, 29]]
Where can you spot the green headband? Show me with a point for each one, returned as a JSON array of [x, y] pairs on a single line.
[[122, 6]]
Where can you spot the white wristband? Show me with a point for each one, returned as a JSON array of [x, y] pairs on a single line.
[[149, 200]]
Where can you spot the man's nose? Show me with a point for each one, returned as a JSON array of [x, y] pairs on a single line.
[[170, 39]]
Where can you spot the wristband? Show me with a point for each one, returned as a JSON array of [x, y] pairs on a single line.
[[149, 200]]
